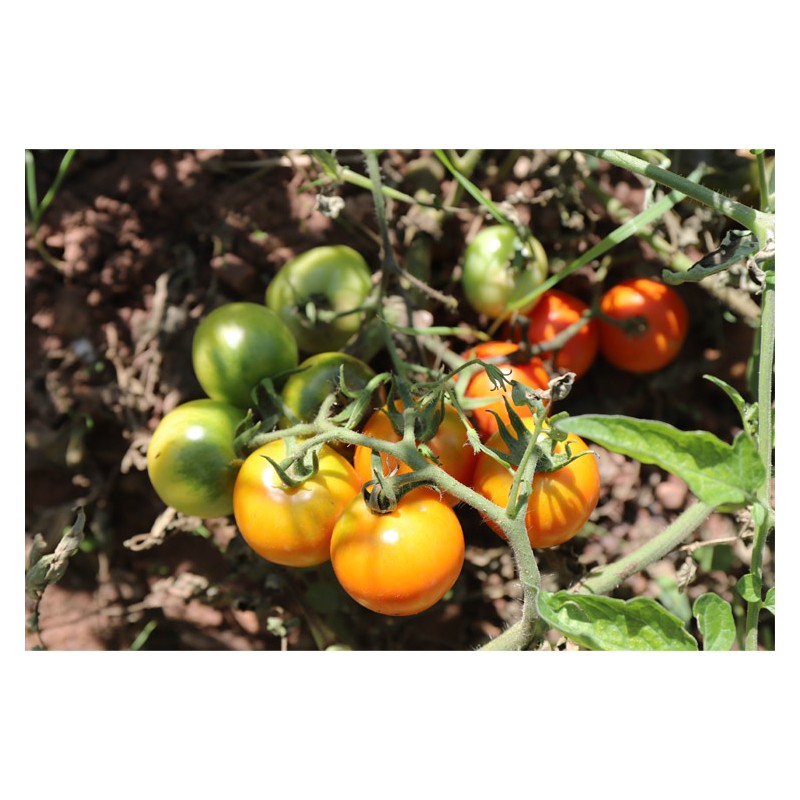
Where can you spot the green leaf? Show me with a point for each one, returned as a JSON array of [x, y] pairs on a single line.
[[714, 557], [747, 411], [769, 601], [673, 599], [749, 587], [717, 473], [605, 623], [736, 248], [715, 620]]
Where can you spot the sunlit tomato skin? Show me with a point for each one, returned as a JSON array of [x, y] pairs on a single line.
[[449, 444], [556, 311], [291, 526], [490, 283], [334, 278], [667, 321], [236, 346], [304, 391], [399, 563], [190, 458], [532, 374], [561, 502]]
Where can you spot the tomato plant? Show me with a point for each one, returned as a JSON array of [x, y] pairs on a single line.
[[291, 525], [449, 445], [555, 312], [560, 502], [317, 377], [190, 458], [499, 269], [324, 279], [402, 562], [236, 346], [532, 374], [666, 322]]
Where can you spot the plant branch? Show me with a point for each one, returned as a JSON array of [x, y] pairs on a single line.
[[760, 223], [607, 578]]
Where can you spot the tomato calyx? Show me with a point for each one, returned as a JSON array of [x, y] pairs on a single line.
[[544, 455], [384, 492], [349, 414], [634, 325]]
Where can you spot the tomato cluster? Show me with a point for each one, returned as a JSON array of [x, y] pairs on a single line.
[[302, 509]]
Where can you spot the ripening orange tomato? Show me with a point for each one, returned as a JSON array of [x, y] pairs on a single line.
[[560, 502], [666, 318], [399, 563], [291, 526], [449, 444], [532, 374]]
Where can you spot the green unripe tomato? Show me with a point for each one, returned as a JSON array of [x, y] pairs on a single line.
[[236, 346], [331, 278], [305, 391], [490, 280], [190, 458]]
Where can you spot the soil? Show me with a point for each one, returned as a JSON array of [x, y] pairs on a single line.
[[137, 246]]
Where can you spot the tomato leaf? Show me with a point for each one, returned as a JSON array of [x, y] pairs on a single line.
[[747, 411], [715, 620], [605, 623], [717, 473], [769, 601], [50, 568], [749, 587], [736, 248]]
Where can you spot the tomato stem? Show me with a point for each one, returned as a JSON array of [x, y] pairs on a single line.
[[765, 521], [760, 223]]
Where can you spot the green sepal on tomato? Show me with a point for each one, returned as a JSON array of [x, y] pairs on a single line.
[[531, 373], [190, 458], [499, 269], [236, 346], [560, 502], [331, 279]]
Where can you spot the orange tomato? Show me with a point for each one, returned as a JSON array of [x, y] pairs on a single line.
[[560, 502], [531, 374], [291, 526], [449, 445], [399, 563], [666, 318]]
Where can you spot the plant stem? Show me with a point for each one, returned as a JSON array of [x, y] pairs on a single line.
[[520, 635], [763, 187], [760, 223], [763, 526], [356, 179], [53, 190], [472, 189], [604, 580], [617, 236]]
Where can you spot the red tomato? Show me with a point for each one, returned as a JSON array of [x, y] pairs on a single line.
[[560, 502], [556, 311], [532, 374], [399, 563], [449, 445], [666, 318]]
